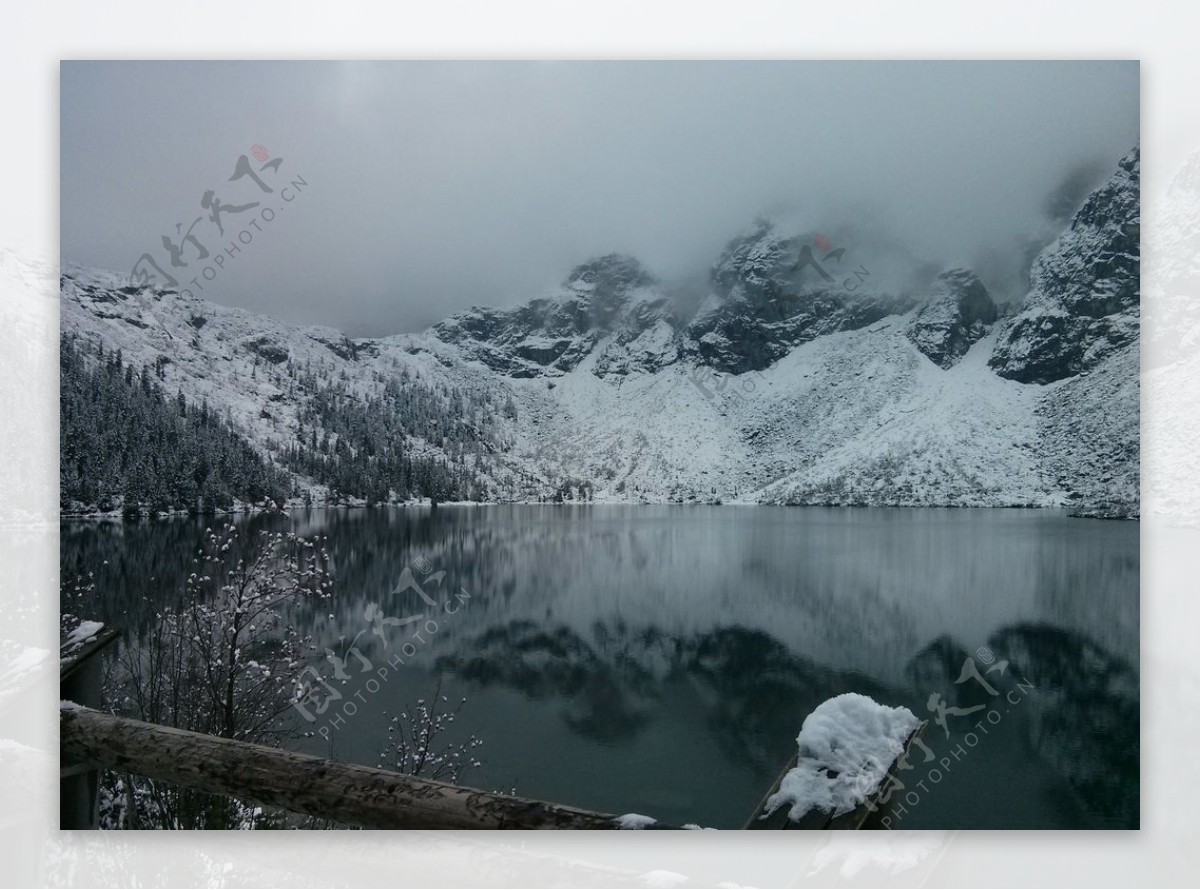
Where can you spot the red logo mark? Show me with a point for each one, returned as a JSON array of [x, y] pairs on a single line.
[[260, 152], [823, 244]]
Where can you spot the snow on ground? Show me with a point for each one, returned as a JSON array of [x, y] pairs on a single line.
[[857, 417], [1089, 433], [237, 362], [854, 417], [846, 747]]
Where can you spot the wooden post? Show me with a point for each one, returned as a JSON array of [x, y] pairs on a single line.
[[80, 679], [817, 820], [299, 783]]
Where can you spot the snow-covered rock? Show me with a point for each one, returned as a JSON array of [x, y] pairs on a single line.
[[1084, 297], [774, 294], [958, 312], [608, 306]]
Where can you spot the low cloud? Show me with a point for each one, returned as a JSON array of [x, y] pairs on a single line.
[[436, 186]]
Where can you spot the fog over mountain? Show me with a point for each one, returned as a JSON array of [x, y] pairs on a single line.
[[787, 385], [433, 187]]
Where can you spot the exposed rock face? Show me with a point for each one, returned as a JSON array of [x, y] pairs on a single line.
[[608, 305], [597, 388], [267, 348], [338, 343], [1084, 297], [776, 293], [958, 312]]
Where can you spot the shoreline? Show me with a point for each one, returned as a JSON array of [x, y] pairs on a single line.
[[1098, 512]]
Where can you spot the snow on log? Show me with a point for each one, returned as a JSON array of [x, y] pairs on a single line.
[[846, 747]]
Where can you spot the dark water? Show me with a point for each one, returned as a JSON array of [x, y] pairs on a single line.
[[661, 660]]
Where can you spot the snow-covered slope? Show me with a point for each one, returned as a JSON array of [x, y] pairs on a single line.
[[913, 433], [266, 378], [784, 388]]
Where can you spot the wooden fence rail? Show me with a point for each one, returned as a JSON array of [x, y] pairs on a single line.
[[92, 740], [299, 783]]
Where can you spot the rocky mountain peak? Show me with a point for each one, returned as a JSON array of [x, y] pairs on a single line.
[[754, 262], [611, 273], [776, 291], [605, 305], [597, 291], [1083, 302], [958, 311]]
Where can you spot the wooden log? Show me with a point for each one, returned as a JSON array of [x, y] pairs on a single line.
[[299, 783], [865, 814], [817, 820]]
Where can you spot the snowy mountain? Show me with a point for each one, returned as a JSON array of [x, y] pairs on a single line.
[[1083, 304], [796, 382]]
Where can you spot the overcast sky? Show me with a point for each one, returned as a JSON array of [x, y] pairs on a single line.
[[435, 186]]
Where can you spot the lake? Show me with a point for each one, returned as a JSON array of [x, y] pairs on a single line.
[[661, 659]]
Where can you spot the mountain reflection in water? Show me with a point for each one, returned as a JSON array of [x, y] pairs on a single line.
[[662, 659]]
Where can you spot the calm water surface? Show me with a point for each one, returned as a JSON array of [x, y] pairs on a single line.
[[661, 660]]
